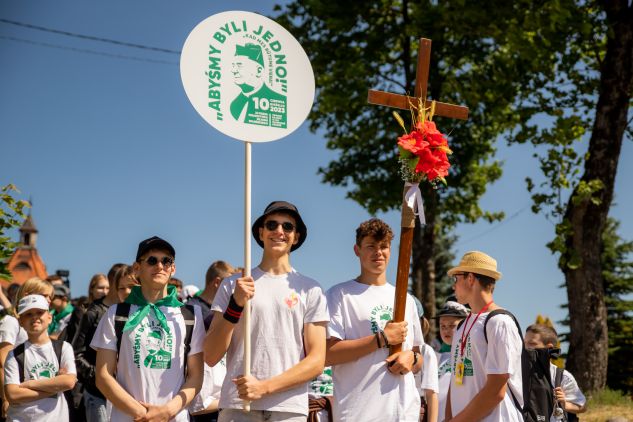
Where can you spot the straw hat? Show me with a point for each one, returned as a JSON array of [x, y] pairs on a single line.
[[478, 263]]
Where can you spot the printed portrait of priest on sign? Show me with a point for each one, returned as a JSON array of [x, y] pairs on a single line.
[[256, 103]]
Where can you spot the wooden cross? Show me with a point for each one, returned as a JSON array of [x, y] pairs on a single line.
[[405, 102], [407, 224]]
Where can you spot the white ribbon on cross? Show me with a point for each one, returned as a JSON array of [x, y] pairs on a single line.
[[413, 199]]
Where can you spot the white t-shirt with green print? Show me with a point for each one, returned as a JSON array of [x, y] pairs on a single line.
[[500, 355], [151, 365], [364, 389], [39, 362]]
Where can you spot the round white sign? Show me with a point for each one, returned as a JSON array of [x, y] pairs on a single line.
[[247, 76]]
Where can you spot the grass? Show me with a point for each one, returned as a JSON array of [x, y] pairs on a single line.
[[607, 404]]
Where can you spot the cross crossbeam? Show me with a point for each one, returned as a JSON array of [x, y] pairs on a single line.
[[405, 102]]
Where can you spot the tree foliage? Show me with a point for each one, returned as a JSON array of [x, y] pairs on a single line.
[[11, 216], [575, 109], [555, 74], [355, 46]]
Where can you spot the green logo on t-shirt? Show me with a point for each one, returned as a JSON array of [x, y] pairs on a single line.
[[379, 317], [43, 370], [158, 346]]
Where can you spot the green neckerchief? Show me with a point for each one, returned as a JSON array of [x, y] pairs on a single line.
[[58, 317], [136, 298], [445, 348]]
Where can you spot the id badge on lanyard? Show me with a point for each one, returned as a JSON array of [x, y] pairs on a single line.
[[459, 373]]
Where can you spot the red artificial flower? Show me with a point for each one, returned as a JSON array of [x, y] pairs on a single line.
[[433, 136], [428, 145], [413, 142]]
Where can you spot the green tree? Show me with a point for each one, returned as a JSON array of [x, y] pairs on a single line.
[[11, 215], [618, 284], [552, 73], [579, 90], [354, 46]]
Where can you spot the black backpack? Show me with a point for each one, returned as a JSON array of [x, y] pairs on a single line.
[[122, 315], [538, 394]]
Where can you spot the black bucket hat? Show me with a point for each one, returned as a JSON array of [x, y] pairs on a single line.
[[157, 243], [284, 208]]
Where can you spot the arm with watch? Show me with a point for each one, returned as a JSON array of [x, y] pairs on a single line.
[[343, 351]]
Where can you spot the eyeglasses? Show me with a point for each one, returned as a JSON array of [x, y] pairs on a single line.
[[166, 261], [456, 275], [273, 224]]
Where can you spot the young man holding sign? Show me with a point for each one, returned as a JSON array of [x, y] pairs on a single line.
[[288, 321]]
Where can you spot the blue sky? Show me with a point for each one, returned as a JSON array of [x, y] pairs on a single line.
[[111, 152]]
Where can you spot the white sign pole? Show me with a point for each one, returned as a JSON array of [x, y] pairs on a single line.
[[249, 78], [247, 263]]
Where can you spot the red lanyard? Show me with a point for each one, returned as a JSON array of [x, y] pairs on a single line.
[[462, 346]]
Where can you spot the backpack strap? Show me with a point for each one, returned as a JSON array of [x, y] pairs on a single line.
[[502, 312], [559, 377], [188, 314], [120, 318], [57, 348], [18, 354], [505, 312]]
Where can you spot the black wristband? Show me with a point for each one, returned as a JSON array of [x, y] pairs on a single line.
[[233, 311], [384, 337], [415, 357]]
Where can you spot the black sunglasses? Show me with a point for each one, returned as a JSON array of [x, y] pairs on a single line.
[[166, 261], [273, 224]]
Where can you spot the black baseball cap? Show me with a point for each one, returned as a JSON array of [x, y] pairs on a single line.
[[157, 243], [284, 208]]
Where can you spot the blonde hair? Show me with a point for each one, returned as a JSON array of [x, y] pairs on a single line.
[[122, 272], [93, 283], [32, 286]]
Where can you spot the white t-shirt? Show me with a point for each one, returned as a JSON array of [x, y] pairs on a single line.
[[501, 355], [211, 386], [570, 388], [444, 381], [151, 365], [281, 306], [40, 362], [365, 390], [426, 379], [11, 332]]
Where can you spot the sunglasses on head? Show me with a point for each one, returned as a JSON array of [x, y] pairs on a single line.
[[273, 224], [166, 261]]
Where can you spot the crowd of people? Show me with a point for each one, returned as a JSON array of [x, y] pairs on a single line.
[[143, 346]]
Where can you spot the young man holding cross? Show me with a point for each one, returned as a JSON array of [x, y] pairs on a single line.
[[486, 375], [147, 369], [288, 320], [369, 383]]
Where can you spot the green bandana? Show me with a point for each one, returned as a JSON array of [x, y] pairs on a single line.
[[445, 348], [136, 298], [58, 317]]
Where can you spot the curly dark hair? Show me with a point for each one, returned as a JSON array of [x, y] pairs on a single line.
[[375, 228]]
